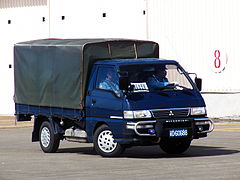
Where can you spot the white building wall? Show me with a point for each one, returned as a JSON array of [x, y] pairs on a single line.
[[21, 22], [200, 34], [98, 18], [25, 20], [192, 32]]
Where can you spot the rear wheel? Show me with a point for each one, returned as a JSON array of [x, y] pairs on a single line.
[[175, 146], [104, 143], [49, 141]]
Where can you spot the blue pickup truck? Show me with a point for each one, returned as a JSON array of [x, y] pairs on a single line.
[[114, 93]]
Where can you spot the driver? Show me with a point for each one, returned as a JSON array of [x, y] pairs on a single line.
[[158, 79], [110, 83]]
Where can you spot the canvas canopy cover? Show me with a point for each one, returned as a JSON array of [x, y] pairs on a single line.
[[55, 72]]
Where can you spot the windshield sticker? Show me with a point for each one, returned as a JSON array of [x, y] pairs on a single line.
[[140, 87]]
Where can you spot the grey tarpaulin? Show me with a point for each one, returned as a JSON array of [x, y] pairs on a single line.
[[55, 72]]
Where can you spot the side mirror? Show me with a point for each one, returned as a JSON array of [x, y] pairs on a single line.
[[198, 82], [123, 83]]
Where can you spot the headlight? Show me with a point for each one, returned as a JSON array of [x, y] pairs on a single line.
[[137, 114], [142, 114], [198, 111]]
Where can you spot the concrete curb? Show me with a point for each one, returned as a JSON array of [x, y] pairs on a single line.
[[10, 122], [17, 126]]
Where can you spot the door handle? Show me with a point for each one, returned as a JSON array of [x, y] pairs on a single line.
[[94, 100], [89, 93]]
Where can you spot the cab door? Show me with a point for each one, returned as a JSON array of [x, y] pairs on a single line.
[[105, 102]]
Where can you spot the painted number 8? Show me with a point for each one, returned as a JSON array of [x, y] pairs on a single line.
[[217, 61]]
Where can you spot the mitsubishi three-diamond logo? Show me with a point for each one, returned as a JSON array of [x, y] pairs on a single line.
[[171, 113]]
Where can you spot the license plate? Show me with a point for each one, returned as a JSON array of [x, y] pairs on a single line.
[[178, 133]]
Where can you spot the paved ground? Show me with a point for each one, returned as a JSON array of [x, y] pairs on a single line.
[[215, 157]]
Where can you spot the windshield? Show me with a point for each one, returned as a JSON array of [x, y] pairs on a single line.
[[156, 77]]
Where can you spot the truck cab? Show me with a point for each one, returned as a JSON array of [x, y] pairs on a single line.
[[135, 111]]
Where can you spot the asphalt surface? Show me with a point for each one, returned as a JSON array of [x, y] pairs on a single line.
[[214, 157]]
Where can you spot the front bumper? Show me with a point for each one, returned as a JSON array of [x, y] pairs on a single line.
[[197, 127]]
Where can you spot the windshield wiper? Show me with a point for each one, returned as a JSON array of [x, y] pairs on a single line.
[[174, 86], [170, 86]]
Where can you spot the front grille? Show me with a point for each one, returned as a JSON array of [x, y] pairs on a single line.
[[171, 113]]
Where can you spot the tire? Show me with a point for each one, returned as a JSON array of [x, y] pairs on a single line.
[[49, 141], [175, 146], [104, 143]]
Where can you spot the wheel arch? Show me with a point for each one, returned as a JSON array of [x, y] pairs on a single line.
[[98, 124]]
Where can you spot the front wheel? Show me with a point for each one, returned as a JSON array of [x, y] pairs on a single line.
[[175, 146], [49, 141], [104, 143]]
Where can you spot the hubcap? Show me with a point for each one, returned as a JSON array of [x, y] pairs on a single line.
[[106, 142], [45, 137]]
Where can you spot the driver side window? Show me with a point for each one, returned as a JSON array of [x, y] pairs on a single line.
[[107, 79]]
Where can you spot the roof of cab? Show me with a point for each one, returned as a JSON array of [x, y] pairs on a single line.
[[120, 62]]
